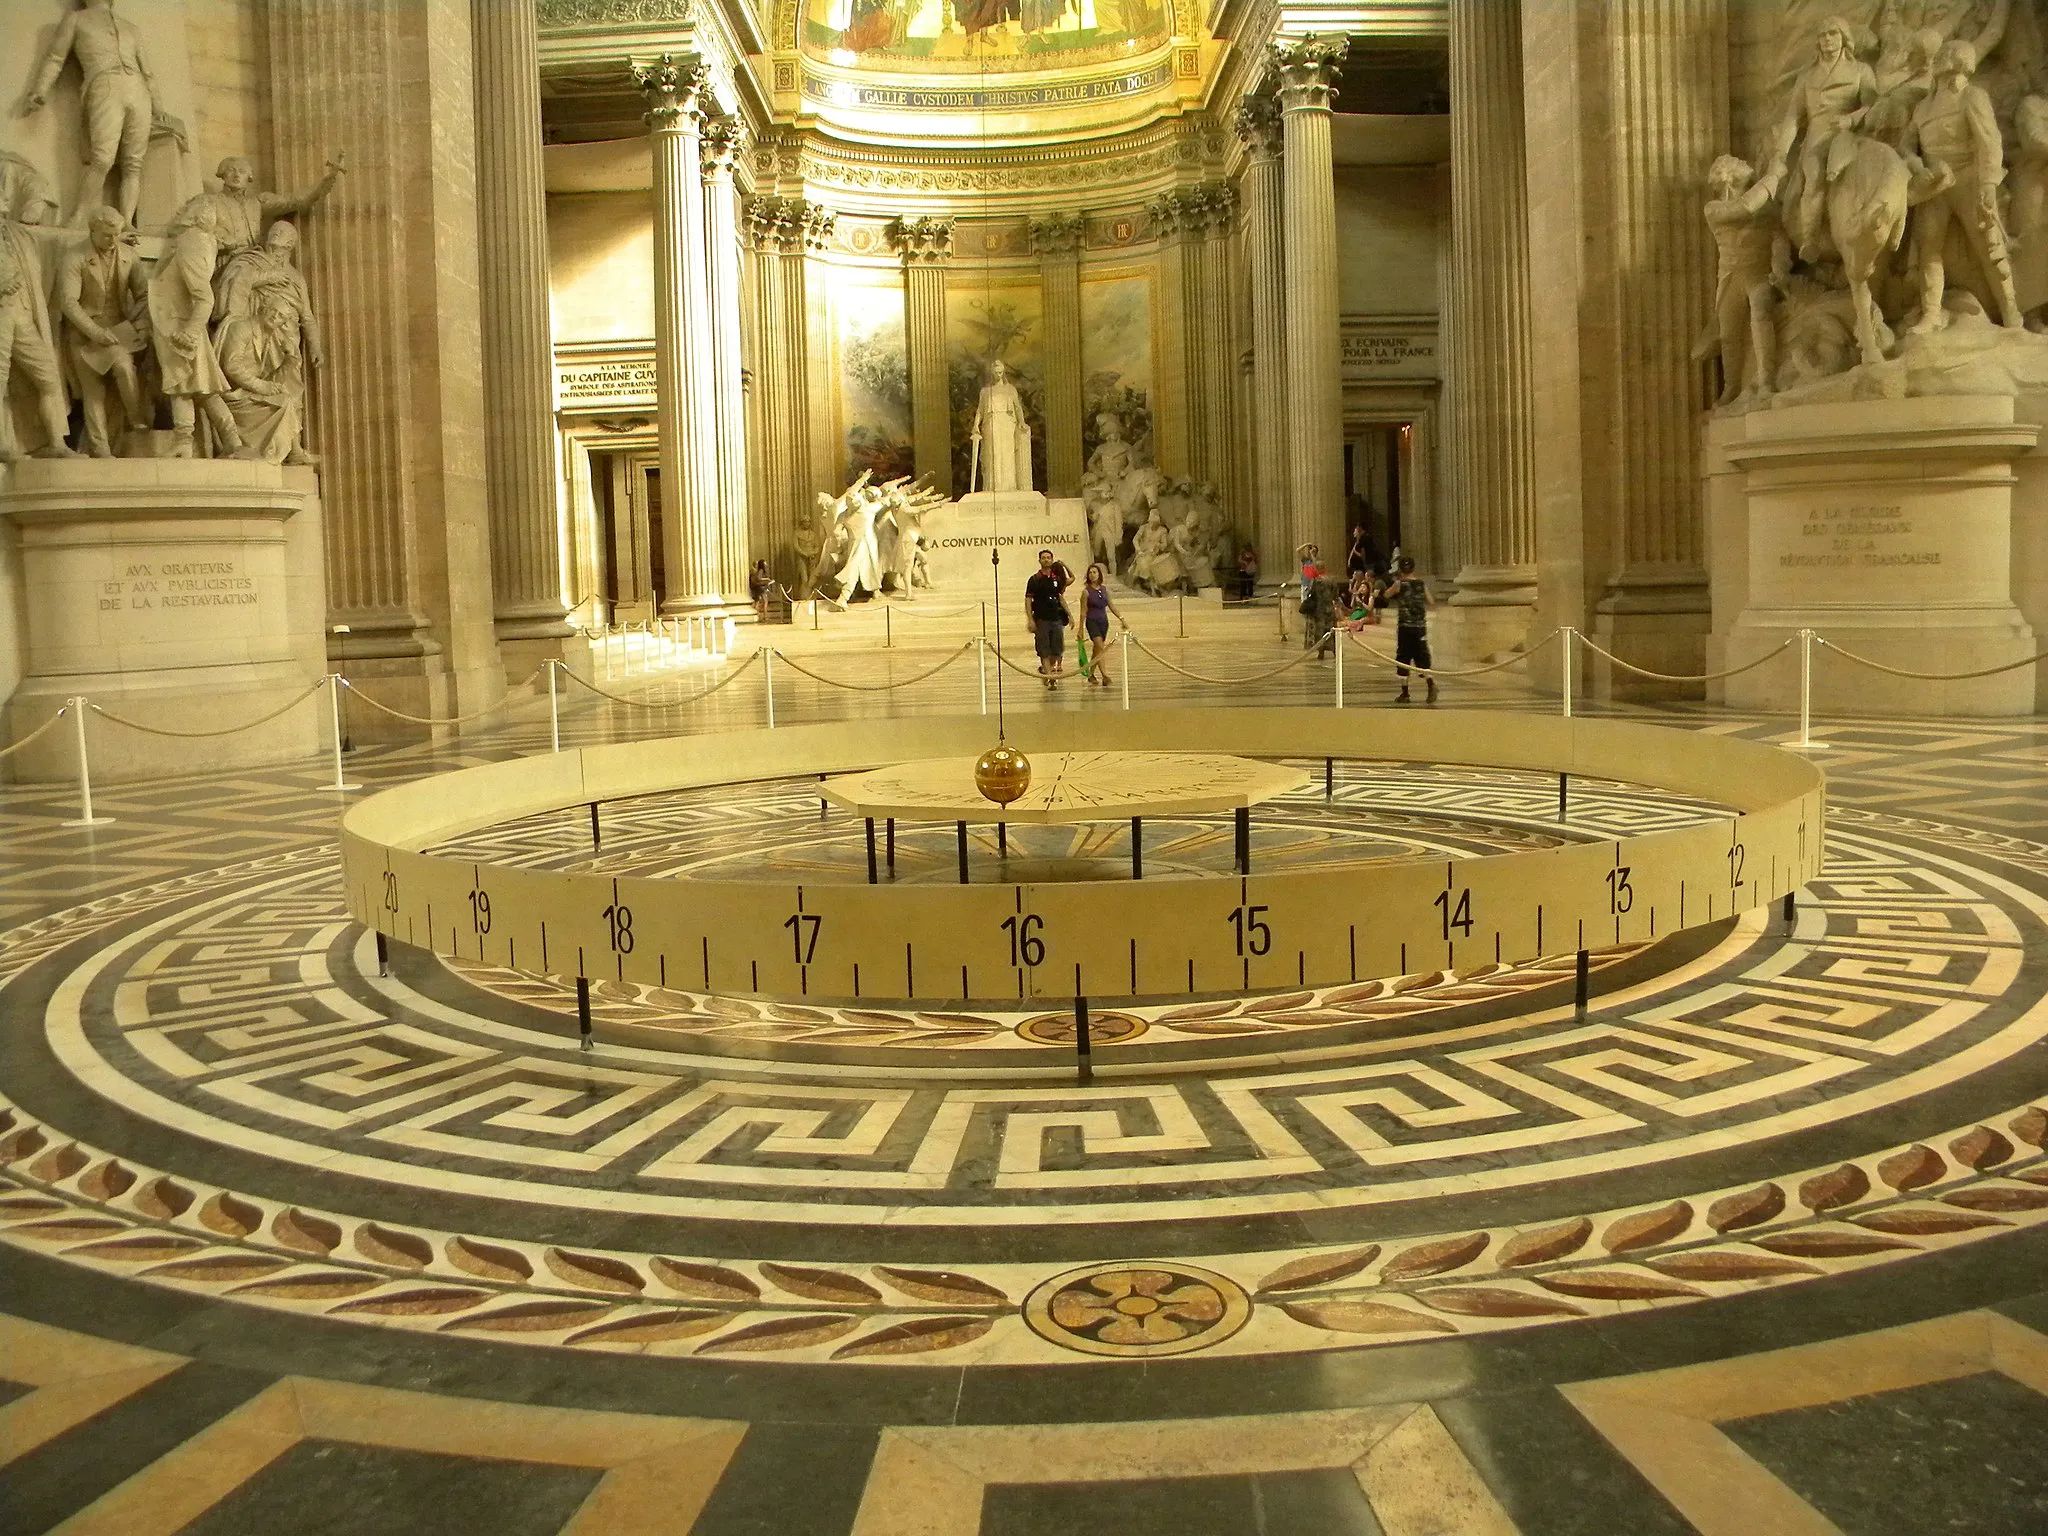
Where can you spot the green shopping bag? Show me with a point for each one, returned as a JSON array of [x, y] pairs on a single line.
[[1081, 649]]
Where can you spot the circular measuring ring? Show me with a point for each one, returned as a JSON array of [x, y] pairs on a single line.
[[1049, 939]]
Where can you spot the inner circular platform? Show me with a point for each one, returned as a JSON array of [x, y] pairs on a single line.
[[1068, 787]]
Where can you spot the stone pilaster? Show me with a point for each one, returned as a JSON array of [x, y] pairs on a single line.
[[512, 251], [780, 232], [1486, 337], [1669, 121], [1307, 70], [1193, 224], [398, 410], [925, 246], [685, 417], [720, 144], [1630, 102], [1058, 239], [1265, 246]]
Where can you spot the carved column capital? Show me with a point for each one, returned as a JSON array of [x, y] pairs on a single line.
[[815, 223], [674, 89], [720, 144], [1193, 213], [921, 242], [1307, 67], [786, 226], [1058, 234], [1258, 125]]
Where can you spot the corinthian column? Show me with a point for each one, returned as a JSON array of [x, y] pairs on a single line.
[[1315, 404], [1057, 240], [512, 254], [925, 245], [1259, 195], [1489, 384], [720, 145], [684, 416]]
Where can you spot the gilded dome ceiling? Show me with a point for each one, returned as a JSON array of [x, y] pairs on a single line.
[[972, 38]]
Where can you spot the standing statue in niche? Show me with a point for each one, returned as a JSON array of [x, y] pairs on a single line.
[[1002, 436], [1954, 126], [119, 97], [180, 307], [103, 295]]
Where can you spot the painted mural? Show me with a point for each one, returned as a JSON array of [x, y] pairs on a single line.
[[964, 36], [873, 359], [1116, 360], [985, 324]]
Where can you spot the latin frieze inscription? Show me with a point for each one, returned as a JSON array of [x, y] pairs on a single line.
[[1858, 537], [148, 586]]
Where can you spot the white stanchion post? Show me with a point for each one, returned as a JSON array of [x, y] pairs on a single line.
[[981, 666], [768, 682], [1124, 638], [554, 708], [607, 656], [334, 687], [728, 631], [1806, 741], [1568, 633], [1339, 635], [85, 816]]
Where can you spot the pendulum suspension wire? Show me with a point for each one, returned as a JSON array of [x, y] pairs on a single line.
[[988, 289]]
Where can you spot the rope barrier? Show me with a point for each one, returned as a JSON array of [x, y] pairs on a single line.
[[702, 693], [832, 682], [1686, 677], [250, 725], [918, 613], [488, 709], [1308, 654], [1927, 677], [40, 731], [1493, 666]]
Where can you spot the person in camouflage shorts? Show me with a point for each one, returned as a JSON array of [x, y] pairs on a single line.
[[1408, 595]]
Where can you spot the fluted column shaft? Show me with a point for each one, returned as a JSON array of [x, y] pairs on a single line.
[[1210, 300], [925, 246], [398, 411], [684, 416], [1315, 402], [512, 254], [1058, 242], [1487, 327], [721, 143], [1259, 196]]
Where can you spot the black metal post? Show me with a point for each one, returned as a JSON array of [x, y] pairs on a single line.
[[1137, 848], [871, 851], [1790, 908], [1329, 777], [1082, 1045], [1244, 840], [596, 841], [383, 955], [960, 839], [583, 1012], [892, 845], [1003, 838], [1579, 987], [1563, 797]]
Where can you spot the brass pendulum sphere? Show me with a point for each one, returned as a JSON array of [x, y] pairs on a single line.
[[1002, 774]]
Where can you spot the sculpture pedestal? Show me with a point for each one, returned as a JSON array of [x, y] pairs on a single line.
[[960, 535], [1886, 526], [183, 593]]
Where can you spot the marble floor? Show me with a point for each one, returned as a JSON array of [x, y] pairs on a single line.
[[292, 1240]]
